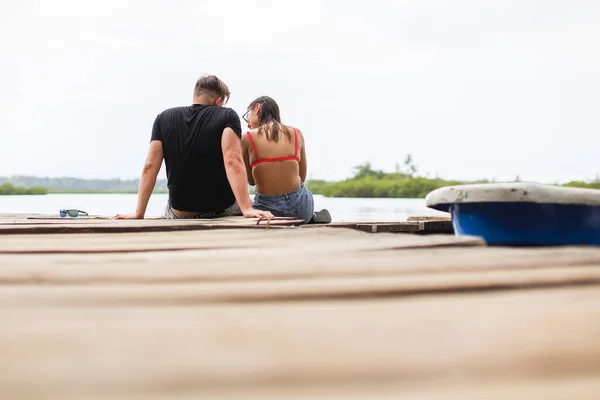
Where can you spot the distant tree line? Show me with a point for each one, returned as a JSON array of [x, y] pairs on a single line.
[[78, 185], [8, 189], [403, 183]]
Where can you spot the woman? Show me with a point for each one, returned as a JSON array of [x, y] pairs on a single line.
[[275, 158]]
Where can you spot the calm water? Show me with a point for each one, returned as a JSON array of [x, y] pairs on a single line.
[[342, 209]]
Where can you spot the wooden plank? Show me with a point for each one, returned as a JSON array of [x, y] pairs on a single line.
[[565, 388], [292, 289], [430, 347], [413, 226], [233, 220], [57, 225], [429, 218], [319, 240], [408, 227], [132, 242], [156, 225], [436, 226], [278, 263], [54, 221], [28, 217], [390, 227], [47, 224], [19, 216]]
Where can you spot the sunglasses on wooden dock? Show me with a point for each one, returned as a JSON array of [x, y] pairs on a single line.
[[72, 213]]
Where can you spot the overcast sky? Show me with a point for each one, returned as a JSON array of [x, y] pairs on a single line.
[[471, 88]]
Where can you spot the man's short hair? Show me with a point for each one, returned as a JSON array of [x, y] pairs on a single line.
[[213, 85]]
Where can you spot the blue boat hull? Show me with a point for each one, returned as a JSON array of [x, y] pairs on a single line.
[[524, 223]]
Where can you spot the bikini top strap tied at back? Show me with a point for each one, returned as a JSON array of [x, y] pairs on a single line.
[[274, 159]]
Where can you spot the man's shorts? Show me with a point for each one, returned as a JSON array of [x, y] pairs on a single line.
[[233, 210]]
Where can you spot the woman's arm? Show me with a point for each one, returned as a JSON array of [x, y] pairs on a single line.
[[302, 164], [246, 157]]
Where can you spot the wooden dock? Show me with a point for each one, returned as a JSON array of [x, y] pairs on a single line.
[[231, 309]]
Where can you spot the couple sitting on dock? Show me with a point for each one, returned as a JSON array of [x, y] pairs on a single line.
[[209, 163]]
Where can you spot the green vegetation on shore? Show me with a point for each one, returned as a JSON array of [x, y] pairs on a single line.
[[69, 185], [100, 191], [8, 189], [366, 182], [404, 183], [78, 185], [595, 184], [370, 183]]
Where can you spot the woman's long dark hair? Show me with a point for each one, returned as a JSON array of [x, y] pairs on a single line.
[[269, 119]]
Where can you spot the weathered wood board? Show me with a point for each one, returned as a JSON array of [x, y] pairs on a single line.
[[292, 312], [182, 294], [320, 240], [37, 224], [524, 343]]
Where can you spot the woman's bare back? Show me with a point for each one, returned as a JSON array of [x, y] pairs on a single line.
[[275, 177]]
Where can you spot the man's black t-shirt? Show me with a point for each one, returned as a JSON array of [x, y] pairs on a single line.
[[191, 141]]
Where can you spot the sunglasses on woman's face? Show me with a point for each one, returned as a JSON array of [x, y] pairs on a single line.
[[72, 213], [246, 115]]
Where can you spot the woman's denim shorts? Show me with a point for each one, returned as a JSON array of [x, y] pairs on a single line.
[[298, 203]]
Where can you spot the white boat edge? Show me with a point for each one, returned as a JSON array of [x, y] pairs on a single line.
[[513, 192]]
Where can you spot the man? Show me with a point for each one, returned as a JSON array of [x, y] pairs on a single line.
[[201, 145]]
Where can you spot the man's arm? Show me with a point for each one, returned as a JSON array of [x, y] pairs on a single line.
[[236, 174], [148, 180]]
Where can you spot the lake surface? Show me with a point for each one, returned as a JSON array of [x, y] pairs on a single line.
[[342, 209]]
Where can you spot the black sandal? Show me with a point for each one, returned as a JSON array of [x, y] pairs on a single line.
[[320, 217]]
